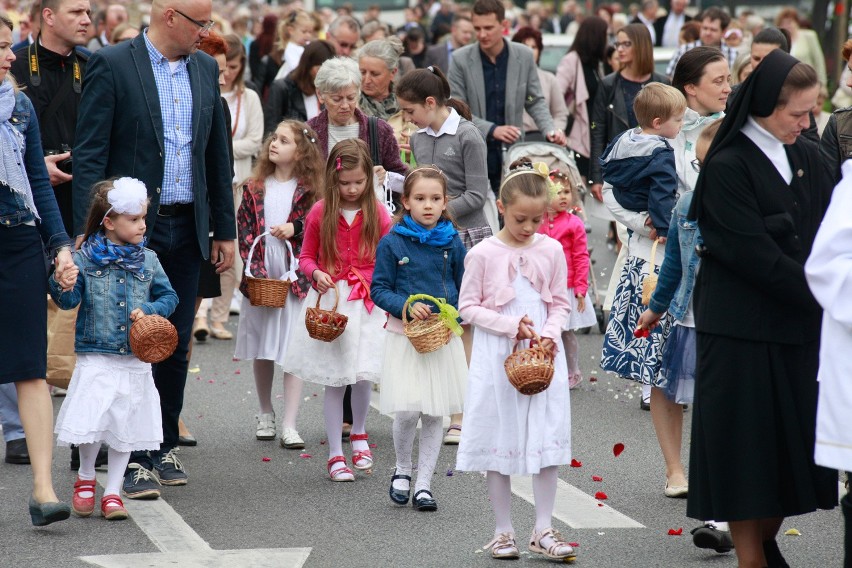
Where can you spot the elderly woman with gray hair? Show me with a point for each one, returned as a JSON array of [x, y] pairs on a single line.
[[378, 62]]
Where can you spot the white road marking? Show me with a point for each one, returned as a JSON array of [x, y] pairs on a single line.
[[179, 545], [576, 509]]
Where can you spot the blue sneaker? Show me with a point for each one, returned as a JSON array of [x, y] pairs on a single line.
[[170, 470], [139, 483]]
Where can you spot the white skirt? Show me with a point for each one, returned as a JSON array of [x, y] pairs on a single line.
[[111, 399], [504, 430], [264, 333], [578, 319], [431, 383], [356, 355]]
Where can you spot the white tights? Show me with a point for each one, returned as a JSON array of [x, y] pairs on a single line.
[[264, 373], [572, 352], [333, 410], [431, 430], [115, 469], [544, 491]]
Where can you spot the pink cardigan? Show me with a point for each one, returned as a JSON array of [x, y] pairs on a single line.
[[570, 231], [348, 240], [488, 285]]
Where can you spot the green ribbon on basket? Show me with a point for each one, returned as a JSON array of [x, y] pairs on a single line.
[[446, 312]]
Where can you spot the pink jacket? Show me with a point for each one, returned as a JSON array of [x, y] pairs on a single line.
[[572, 82], [570, 231], [357, 271], [488, 285]]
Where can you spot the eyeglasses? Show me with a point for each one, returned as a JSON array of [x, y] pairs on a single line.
[[623, 44], [204, 27], [696, 165]]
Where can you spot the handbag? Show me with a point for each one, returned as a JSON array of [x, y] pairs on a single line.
[[649, 283], [61, 358]]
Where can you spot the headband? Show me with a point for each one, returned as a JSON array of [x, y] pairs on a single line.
[[128, 196]]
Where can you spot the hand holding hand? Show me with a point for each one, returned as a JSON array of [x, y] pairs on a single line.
[[66, 271], [419, 310], [525, 329], [137, 314], [323, 281]]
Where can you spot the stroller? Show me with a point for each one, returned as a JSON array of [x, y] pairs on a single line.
[[560, 158]]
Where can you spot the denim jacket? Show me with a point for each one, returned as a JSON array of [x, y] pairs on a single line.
[[404, 266], [13, 212], [677, 274], [106, 296]]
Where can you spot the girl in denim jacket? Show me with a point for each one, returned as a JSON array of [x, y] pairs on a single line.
[[112, 397], [423, 254]]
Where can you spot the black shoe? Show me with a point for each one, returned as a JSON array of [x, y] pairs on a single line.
[[170, 470], [45, 513], [188, 440], [643, 404], [773, 555], [140, 483], [708, 536], [16, 451], [100, 461], [425, 503], [398, 496]]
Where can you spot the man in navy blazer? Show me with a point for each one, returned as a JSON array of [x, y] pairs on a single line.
[[151, 110]]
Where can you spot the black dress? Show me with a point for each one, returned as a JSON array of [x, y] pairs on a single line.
[[757, 339]]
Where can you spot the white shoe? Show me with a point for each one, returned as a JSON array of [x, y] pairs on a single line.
[[236, 301], [265, 426], [291, 440]]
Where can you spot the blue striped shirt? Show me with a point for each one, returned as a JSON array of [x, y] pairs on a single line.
[[172, 81]]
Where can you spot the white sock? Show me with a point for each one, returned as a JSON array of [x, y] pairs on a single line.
[[115, 471], [404, 430], [646, 393], [88, 456], [292, 399], [431, 439]]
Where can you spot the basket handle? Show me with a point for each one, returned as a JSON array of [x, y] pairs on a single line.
[[336, 298], [448, 313], [534, 341], [653, 255], [291, 263]]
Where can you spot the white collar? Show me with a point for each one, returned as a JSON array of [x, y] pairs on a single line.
[[450, 126], [771, 147]]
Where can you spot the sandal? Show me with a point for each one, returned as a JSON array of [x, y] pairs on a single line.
[[503, 547], [361, 459], [112, 508], [341, 473], [453, 435], [559, 550], [574, 381], [83, 506]]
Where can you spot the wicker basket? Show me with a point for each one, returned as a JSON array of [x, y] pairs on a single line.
[[153, 339], [325, 325], [269, 292], [425, 335], [530, 370]]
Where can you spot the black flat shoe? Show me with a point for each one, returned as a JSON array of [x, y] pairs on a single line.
[[16, 451], [45, 513], [397, 496], [708, 536], [773, 555], [188, 440], [425, 503]]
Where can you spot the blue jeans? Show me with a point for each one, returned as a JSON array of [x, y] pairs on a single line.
[[9, 417], [176, 245]]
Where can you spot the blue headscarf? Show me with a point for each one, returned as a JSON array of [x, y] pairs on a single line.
[[440, 236]]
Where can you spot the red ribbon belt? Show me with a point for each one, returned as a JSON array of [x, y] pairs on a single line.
[[360, 288]]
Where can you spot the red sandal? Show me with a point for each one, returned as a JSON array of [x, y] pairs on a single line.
[[361, 459], [341, 473], [83, 506], [112, 508]]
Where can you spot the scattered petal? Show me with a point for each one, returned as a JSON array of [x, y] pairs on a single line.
[[305, 456], [237, 372], [197, 378], [478, 551], [211, 381], [574, 544], [234, 359], [676, 532], [617, 449], [593, 379], [373, 445], [322, 442], [601, 533], [576, 463], [200, 416], [277, 395], [600, 505], [315, 394], [266, 459], [195, 369], [601, 496], [597, 478], [450, 473], [792, 532]]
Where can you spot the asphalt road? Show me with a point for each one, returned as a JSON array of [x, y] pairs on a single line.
[[241, 511]]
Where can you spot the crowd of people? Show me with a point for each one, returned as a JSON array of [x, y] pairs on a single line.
[[165, 157]]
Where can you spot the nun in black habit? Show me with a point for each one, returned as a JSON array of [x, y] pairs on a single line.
[[759, 201]]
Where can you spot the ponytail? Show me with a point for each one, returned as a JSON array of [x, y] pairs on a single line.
[[415, 86]]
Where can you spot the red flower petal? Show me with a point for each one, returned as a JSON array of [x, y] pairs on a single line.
[[267, 459], [211, 381], [372, 445], [675, 532], [617, 449], [574, 544], [576, 463], [322, 442], [601, 496], [600, 504], [305, 456], [237, 372], [593, 379], [597, 478]]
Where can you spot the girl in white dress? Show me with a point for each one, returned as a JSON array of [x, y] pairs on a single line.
[[275, 202], [514, 283], [112, 397], [342, 232]]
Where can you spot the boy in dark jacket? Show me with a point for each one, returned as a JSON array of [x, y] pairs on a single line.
[[639, 163]]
